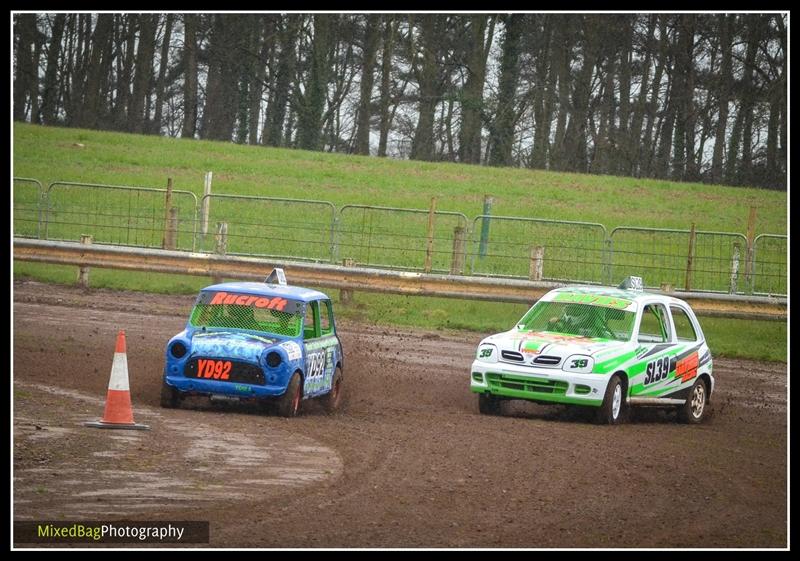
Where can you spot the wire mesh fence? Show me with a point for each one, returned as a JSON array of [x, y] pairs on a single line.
[[28, 195], [119, 214], [538, 249], [770, 253], [266, 226], [683, 259], [402, 238]]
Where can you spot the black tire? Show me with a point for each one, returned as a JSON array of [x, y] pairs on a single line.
[[289, 402], [170, 397], [696, 407], [488, 404], [613, 411], [332, 401]]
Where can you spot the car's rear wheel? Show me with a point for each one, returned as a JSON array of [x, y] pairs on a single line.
[[289, 402], [696, 406], [488, 404], [332, 401], [614, 409], [170, 397]]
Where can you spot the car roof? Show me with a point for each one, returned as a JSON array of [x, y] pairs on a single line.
[[264, 289], [634, 296]]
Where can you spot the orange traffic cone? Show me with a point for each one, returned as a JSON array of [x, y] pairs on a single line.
[[118, 413]]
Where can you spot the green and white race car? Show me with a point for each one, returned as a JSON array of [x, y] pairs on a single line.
[[599, 347]]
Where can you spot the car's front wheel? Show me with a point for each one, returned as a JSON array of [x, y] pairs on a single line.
[[613, 409], [694, 410], [332, 401], [488, 404], [289, 402], [170, 397]]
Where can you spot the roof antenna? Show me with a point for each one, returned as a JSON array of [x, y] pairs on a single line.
[[277, 276]]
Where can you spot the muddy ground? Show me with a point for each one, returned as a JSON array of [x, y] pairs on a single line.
[[408, 462]]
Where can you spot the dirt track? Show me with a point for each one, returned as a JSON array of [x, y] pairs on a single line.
[[409, 462]]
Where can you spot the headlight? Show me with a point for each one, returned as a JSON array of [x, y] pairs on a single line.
[[273, 359], [487, 353], [177, 349], [578, 363]]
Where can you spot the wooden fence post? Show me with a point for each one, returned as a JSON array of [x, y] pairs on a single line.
[[459, 251], [734, 268], [206, 204], [751, 238], [171, 233], [537, 263], [690, 258], [221, 245], [346, 295], [431, 223], [167, 207], [83, 272]]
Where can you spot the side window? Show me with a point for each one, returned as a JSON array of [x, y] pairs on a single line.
[[325, 324], [684, 329], [654, 327], [309, 323]]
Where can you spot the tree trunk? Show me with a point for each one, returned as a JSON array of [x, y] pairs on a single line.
[[144, 72], [682, 95], [50, 92], [390, 29], [543, 88], [621, 140], [755, 36], [90, 113], [469, 145], [575, 141], [501, 137], [26, 31], [562, 58], [724, 87], [369, 53], [263, 41], [649, 144], [162, 72], [190, 76], [285, 76], [634, 153], [312, 102], [225, 54], [422, 147]]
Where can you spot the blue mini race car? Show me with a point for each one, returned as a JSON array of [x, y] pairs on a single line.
[[267, 342]]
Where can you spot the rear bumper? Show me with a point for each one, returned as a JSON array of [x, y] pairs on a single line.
[[548, 385]]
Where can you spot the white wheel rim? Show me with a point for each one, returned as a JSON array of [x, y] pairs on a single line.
[[616, 401], [698, 401]]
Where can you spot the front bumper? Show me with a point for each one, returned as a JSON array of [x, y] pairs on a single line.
[[551, 385]]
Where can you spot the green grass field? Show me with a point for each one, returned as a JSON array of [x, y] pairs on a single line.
[[61, 154]]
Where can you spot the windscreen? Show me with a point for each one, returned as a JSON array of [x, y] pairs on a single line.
[[584, 320], [275, 316]]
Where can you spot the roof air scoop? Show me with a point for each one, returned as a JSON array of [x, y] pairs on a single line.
[[631, 283], [277, 276]]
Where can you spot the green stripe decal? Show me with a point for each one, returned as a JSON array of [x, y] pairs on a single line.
[[612, 363]]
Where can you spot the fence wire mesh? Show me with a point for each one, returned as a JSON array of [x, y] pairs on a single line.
[[770, 255], [116, 214], [507, 246], [28, 196], [401, 238], [714, 262], [398, 238], [267, 226]]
